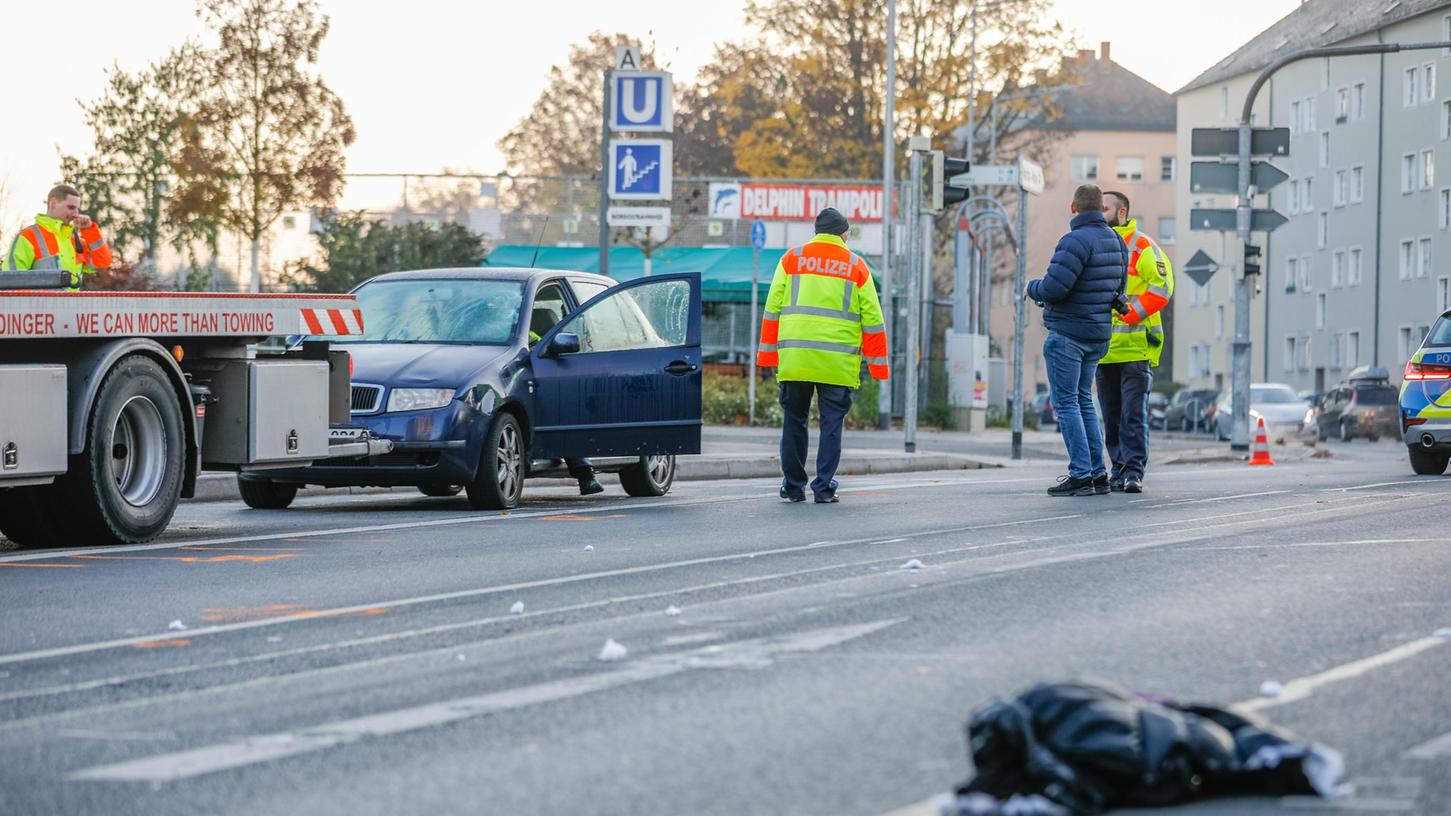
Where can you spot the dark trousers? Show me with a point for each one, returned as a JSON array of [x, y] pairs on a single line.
[[1123, 390], [833, 401], [581, 469]]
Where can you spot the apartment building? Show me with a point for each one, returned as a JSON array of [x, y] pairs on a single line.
[[1352, 279]]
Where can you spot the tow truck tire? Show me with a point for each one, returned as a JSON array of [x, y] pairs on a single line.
[[499, 482], [440, 491], [651, 476], [124, 487], [1428, 462], [265, 494], [25, 517]]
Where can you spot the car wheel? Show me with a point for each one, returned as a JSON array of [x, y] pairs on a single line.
[[1345, 433], [265, 494], [499, 482], [1428, 462], [440, 491], [651, 476], [123, 488]]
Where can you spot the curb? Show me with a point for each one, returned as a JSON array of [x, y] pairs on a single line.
[[223, 486]]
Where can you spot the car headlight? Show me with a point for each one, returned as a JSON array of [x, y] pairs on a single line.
[[418, 399]]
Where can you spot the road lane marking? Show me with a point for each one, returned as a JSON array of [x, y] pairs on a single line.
[[1374, 484], [751, 653], [1431, 749], [1300, 688], [44, 566], [1327, 543], [1220, 498]]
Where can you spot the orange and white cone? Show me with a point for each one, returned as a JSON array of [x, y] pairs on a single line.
[[1261, 454]]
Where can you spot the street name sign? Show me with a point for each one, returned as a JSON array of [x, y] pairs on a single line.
[[1225, 142], [1201, 268], [638, 216], [987, 175], [1217, 177], [1030, 175], [1223, 220]]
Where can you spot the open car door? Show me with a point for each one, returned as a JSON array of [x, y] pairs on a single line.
[[621, 376]]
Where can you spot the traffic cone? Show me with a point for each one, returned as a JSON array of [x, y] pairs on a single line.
[[1261, 454]]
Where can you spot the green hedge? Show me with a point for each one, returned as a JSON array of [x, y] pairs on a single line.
[[725, 401]]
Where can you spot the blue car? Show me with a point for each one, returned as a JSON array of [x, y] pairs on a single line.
[[484, 377]]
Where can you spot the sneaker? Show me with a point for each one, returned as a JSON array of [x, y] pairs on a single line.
[[1101, 485], [1116, 486], [790, 496], [589, 487], [828, 498], [1132, 485], [1070, 486]]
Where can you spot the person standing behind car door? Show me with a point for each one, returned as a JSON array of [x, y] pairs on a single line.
[[1125, 374]]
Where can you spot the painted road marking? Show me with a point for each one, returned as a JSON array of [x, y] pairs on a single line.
[[1327, 543], [1431, 749], [45, 566], [1300, 688], [268, 747]]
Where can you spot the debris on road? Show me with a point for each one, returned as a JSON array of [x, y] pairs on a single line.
[[176, 625], [1085, 748], [517, 608], [612, 651], [1443, 633], [672, 610], [589, 548], [913, 565], [1271, 688]]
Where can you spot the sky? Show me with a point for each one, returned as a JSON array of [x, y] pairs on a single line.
[[440, 90]]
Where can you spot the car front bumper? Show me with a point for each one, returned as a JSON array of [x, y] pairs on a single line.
[[434, 446]]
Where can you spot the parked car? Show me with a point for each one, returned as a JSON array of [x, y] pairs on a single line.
[[1042, 408], [1158, 405], [1281, 408], [1364, 405], [1425, 403], [1186, 410], [485, 377]]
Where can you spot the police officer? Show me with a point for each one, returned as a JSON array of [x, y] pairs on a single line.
[[1126, 372], [822, 318]]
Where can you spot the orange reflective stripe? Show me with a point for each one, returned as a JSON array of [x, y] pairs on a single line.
[[874, 345], [97, 252], [879, 372], [768, 359], [770, 330]]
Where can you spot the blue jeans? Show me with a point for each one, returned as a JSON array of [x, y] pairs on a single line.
[[1123, 391], [1071, 366], [833, 401]]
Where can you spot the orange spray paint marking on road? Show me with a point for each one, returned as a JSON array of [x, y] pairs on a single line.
[[162, 644], [568, 517], [190, 559], [213, 614]]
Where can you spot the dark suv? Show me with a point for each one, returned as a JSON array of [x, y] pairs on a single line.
[[1364, 406]]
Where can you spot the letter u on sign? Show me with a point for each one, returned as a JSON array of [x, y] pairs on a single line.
[[640, 101]]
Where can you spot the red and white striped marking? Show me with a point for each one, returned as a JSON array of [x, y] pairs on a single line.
[[333, 321]]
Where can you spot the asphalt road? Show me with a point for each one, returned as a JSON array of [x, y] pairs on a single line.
[[358, 654]]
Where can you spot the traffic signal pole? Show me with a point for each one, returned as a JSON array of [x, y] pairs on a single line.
[[1240, 372]]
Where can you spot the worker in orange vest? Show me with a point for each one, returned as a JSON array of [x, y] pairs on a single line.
[[61, 239]]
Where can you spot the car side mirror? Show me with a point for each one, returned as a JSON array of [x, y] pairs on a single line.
[[563, 343]]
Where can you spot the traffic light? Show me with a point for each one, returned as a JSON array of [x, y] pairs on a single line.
[[943, 193], [1251, 260]]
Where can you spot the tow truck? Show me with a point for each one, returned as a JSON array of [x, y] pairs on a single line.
[[111, 403]]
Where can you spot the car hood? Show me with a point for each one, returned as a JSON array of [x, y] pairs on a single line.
[[419, 365]]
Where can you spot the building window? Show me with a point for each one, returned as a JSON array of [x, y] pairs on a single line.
[[1443, 219], [1403, 343], [1320, 311], [1290, 354], [1423, 268], [1295, 116], [1443, 293], [1218, 321], [1335, 351], [1337, 269], [1325, 149], [1427, 168], [1352, 272], [1342, 187], [1322, 229], [1294, 204], [1309, 110], [1168, 167], [1129, 168], [1307, 280], [1409, 93], [1446, 34], [1325, 74], [1307, 195], [1352, 349], [1446, 120], [1292, 274], [1428, 82], [1408, 173], [1224, 101], [1357, 184], [1408, 259], [1357, 101], [1342, 105], [1167, 227], [1085, 168], [1305, 354]]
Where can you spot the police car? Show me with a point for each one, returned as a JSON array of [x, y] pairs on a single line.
[[1426, 401]]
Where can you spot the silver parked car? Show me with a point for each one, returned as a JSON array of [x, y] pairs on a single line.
[[1281, 408]]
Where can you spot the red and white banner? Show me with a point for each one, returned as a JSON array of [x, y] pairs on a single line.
[[794, 202]]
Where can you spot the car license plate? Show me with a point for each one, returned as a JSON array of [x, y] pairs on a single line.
[[345, 434]]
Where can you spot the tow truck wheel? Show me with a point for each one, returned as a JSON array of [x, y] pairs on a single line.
[[1428, 462], [499, 482], [440, 491], [25, 517], [264, 494], [651, 476], [123, 488]]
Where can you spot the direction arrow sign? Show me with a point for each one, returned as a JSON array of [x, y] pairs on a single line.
[[1201, 268], [1223, 220], [1225, 142], [1215, 177], [987, 175]]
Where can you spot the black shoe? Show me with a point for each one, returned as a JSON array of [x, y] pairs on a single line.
[[589, 487], [1101, 485], [1070, 486], [1116, 486], [790, 496], [1132, 485], [828, 498]]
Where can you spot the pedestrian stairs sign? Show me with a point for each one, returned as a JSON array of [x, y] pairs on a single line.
[[640, 169]]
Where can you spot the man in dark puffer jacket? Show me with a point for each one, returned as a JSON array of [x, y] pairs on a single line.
[[1077, 293]]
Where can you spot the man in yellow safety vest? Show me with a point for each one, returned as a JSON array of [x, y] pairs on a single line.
[[61, 239], [1126, 372]]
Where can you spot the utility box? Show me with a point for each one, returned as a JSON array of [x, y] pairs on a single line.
[[967, 379], [33, 437], [267, 412]]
